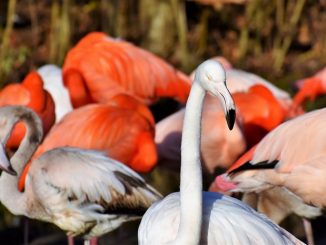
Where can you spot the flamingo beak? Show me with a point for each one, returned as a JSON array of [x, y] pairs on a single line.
[[4, 162], [224, 184], [230, 118], [228, 104]]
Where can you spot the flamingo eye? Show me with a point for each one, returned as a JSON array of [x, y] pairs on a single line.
[[209, 77]]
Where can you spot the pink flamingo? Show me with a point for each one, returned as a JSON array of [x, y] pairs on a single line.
[[291, 158], [100, 67]]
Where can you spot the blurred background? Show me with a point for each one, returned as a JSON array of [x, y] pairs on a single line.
[[280, 40]]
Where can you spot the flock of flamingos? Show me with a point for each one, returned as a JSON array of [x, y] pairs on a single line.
[[73, 140]]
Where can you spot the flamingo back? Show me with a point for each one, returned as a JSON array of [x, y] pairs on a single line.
[[109, 66]]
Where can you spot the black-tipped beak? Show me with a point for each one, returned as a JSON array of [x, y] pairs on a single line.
[[8, 169], [230, 118]]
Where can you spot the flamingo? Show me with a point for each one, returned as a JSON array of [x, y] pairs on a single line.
[[99, 67], [30, 93], [281, 162], [258, 112], [123, 129], [191, 216], [83, 192], [53, 83]]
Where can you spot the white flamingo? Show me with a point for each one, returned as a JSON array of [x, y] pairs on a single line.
[[81, 191], [191, 216]]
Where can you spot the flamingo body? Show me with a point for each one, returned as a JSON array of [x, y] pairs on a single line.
[[124, 134], [99, 67], [123, 129]]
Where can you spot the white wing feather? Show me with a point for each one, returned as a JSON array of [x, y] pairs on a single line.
[[80, 188], [225, 221]]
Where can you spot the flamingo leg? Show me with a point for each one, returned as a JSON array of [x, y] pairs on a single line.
[[70, 240], [93, 241], [308, 230], [90, 241]]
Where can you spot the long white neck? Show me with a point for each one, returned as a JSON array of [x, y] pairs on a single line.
[[191, 173], [14, 200]]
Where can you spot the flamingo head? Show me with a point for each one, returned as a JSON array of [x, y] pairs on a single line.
[[211, 76], [245, 181], [243, 176]]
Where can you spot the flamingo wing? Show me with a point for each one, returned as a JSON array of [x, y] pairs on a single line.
[[285, 142], [226, 220], [308, 181], [281, 160], [88, 185]]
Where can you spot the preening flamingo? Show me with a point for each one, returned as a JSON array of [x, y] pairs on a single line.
[[30, 93], [258, 112], [53, 83], [81, 191], [191, 216], [99, 67], [291, 158]]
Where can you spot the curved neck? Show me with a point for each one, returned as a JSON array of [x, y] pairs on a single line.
[[191, 173], [9, 194]]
